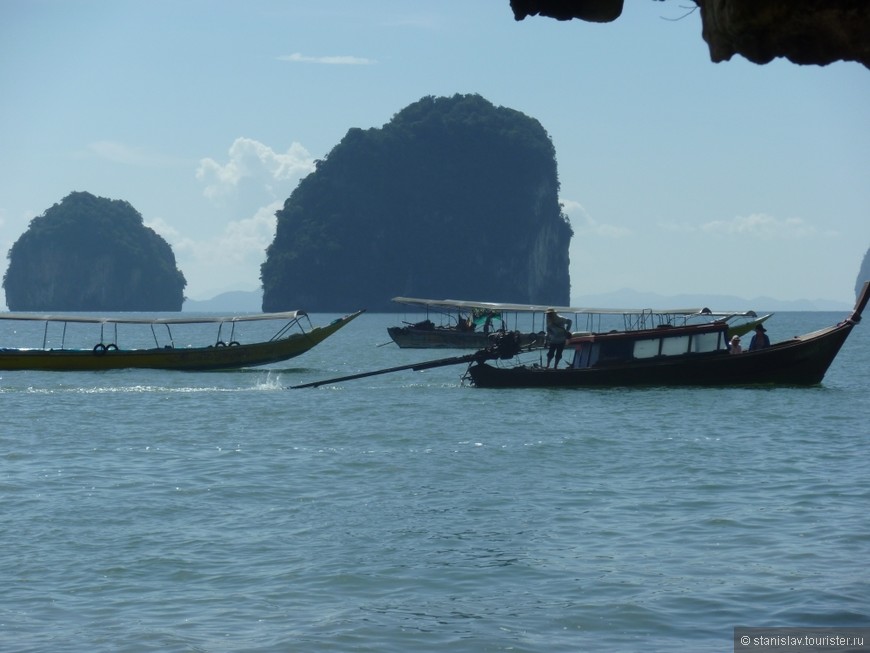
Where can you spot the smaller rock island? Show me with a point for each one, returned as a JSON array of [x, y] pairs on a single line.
[[91, 253]]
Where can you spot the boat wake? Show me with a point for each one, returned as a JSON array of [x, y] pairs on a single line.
[[269, 382]]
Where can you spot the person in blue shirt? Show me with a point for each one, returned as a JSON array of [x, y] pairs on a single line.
[[760, 339]]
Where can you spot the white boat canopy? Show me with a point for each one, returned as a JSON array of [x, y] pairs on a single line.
[[459, 304], [143, 319]]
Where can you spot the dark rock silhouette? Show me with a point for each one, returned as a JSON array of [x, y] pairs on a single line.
[[863, 273], [803, 31], [453, 198], [92, 254]]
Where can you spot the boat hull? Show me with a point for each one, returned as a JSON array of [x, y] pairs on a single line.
[[170, 358], [801, 361]]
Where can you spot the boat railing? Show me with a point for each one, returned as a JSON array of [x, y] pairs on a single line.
[[75, 332], [284, 331]]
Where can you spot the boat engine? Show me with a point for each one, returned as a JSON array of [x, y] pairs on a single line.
[[504, 344]]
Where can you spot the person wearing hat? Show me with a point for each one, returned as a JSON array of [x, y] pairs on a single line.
[[734, 346], [760, 339], [557, 333]]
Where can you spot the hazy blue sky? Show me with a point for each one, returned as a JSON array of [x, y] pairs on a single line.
[[679, 175]]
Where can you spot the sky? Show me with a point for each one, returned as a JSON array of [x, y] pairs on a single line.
[[678, 175]]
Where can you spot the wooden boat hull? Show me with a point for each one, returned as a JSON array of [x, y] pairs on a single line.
[[170, 358], [409, 337], [801, 361]]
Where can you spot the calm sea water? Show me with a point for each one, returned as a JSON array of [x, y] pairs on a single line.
[[155, 511]]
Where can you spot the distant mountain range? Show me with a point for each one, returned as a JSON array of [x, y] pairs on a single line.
[[237, 301], [251, 302], [627, 298]]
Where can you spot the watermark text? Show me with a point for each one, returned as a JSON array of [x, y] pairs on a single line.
[[801, 640]]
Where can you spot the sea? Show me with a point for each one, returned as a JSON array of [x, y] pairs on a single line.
[[227, 512]]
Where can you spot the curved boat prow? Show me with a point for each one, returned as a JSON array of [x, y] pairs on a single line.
[[339, 322], [861, 303]]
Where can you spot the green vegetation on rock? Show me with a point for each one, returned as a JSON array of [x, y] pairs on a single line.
[[90, 253], [453, 198]]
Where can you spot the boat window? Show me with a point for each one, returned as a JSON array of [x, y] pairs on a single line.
[[646, 348], [585, 355], [594, 352], [615, 350], [675, 346], [705, 342]]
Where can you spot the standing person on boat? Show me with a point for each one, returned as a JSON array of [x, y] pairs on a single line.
[[487, 325], [558, 330], [760, 339], [734, 346]]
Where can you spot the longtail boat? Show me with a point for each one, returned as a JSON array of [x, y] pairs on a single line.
[[667, 355], [295, 335], [686, 356], [465, 324]]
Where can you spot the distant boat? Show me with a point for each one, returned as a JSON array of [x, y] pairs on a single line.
[[464, 324], [224, 352], [461, 324], [695, 355]]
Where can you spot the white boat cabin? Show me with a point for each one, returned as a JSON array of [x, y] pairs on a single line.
[[593, 349]]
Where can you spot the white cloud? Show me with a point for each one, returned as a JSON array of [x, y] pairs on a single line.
[[584, 224], [761, 225], [253, 175], [250, 160], [756, 225], [240, 240], [298, 57], [164, 229], [230, 259]]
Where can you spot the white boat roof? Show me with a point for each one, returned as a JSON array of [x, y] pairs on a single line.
[[144, 319], [460, 304]]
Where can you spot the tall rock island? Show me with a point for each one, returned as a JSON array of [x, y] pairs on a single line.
[[453, 198], [863, 273], [90, 253]]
